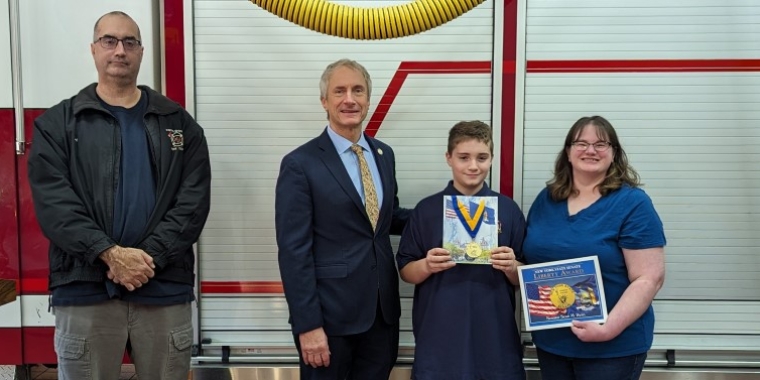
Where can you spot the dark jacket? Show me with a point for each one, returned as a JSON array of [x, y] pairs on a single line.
[[74, 172], [335, 269]]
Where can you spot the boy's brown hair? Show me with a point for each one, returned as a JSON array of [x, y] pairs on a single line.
[[470, 130]]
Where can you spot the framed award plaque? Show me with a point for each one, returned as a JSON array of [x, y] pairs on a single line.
[[556, 293]]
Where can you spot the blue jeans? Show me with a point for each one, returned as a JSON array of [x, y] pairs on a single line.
[[556, 367]]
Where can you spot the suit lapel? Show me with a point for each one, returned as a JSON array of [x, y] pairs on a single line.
[[335, 165]]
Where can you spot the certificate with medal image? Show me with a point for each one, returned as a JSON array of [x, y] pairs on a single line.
[[556, 293], [470, 229]]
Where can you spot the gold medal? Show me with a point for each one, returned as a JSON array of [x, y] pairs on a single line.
[[562, 296], [473, 250]]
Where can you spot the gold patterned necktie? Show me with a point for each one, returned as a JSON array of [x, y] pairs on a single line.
[[370, 195]]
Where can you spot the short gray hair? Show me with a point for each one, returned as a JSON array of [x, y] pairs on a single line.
[[345, 62]]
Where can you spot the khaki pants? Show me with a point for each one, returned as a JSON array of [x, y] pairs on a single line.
[[90, 340]]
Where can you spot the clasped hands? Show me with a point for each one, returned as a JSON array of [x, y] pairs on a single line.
[[130, 267], [502, 258]]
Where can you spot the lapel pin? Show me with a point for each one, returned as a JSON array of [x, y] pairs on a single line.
[[379, 151]]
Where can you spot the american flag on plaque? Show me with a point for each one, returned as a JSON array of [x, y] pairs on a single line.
[[539, 301], [556, 293]]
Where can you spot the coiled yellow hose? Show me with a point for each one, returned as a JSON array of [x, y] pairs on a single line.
[[368, 23]]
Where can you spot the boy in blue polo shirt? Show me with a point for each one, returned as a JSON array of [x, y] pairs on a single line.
[[464, 315]]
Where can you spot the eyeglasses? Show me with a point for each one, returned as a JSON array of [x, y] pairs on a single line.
[[110, 43], [600, 146]]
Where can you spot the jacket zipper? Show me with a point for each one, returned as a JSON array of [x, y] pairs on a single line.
[[153, 147], [116, 159]]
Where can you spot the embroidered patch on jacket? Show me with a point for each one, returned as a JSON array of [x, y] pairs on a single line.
[[176, 138]]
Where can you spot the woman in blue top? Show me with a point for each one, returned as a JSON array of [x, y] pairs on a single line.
[[464, 315], [593, 206]]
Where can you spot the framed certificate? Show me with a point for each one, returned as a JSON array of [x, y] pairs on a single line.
[[470, 228], [556, 293]]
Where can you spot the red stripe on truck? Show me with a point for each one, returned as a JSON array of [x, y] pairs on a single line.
[[241, 287], [30, 286], [174, 50], [10, 346], [38, 345], [508, 100], [33, 245], [644, 65], [9, 240], [422, 67]]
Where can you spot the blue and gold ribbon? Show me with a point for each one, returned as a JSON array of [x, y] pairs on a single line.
[[473, 222]]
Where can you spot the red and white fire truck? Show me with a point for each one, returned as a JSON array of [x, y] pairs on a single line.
[[679, 79]]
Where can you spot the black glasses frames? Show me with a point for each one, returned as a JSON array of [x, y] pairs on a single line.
[[110, 43]]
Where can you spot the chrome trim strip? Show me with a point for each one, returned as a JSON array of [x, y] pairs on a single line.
[[403, 372], [18, 99]]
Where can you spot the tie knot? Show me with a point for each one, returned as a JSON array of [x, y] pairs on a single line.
[[357, 148]]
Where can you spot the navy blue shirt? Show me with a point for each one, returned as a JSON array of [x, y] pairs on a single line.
[[133, 204], [136, 193], [622, 219], [464, 317]]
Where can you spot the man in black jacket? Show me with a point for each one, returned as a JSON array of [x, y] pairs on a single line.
[[120, 177]]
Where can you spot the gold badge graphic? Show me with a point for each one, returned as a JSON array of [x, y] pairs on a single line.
[[562, 296], [361, 23], [473, 250]]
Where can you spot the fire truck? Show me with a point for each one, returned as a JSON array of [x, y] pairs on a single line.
[[679, 79]]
